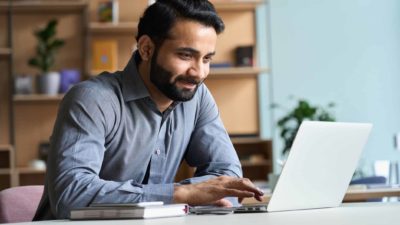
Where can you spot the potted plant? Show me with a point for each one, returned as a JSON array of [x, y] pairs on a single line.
[[290, 122], [47, 46]]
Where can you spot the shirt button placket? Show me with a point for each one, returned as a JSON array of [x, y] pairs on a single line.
[[158, 151]]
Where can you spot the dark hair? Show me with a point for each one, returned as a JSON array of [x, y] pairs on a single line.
[[160, 17]]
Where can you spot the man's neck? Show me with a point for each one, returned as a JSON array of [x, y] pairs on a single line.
[[162, 101]]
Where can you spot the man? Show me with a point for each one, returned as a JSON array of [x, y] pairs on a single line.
[[121, 137]]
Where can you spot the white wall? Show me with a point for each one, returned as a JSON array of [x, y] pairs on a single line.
[[345, 51]]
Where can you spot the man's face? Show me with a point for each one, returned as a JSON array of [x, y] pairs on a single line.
[[182, 62]]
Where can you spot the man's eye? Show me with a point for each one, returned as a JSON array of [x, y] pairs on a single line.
[[207, 59], [185, 56]]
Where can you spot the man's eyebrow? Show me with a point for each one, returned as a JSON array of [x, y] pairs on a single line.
[[194, 51]]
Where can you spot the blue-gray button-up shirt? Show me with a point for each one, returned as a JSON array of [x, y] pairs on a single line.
[[110, 143]]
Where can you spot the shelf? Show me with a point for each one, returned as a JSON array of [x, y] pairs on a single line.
[[37, 98], [6, 158], [249, 163], [29, 170], [5, 148], [238, 72], [237, 5], [5, 52], [46, 6], [110, 28], [5, 171], [247, 140]]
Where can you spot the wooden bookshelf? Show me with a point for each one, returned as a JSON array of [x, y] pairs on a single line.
[[35, 114], [5, 52], [37, 98], [6, 166], [5, 171], [233, 72], [5, 148], [29, 170], [250, 163], [30, 176], [245, 148], [255, 155], [6, 158], [236, 5], [111, 28], [45, 6]]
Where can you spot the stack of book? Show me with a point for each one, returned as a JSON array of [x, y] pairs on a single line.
[[129, 211]]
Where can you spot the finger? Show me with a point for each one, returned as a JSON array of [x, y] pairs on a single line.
[[223, 203], [230, 192], [259, 198], [245, 185]]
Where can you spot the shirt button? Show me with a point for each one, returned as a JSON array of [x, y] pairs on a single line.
[[158, 152]]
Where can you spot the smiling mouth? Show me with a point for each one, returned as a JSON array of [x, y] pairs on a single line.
[[187, 84]]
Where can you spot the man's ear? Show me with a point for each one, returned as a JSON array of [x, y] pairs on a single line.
[[145, 47]]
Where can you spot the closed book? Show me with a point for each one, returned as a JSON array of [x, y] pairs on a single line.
[[129, 212], [104, 55]]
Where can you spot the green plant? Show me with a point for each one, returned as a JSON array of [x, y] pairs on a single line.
[[47, 47], [290, 123]]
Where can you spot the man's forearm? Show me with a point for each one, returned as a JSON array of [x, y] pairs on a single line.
[[87, 189], [213, 191]]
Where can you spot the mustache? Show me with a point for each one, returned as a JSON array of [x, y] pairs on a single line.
[[190, 80]]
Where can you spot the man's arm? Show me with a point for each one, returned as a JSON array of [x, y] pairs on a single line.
[[85, 119], [210, 149], [218, 170], [215, 190]]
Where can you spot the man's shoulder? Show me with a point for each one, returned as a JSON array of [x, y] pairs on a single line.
[[104, 80], [103, 83], [104, 87]]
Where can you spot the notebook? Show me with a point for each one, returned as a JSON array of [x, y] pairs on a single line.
[[128, 211], [318, 170]]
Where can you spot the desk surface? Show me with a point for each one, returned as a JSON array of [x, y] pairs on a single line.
[[352, 195], [347, 214], [364, 194]]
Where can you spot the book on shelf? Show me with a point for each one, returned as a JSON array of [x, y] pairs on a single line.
[[129, 211], [104, 55]]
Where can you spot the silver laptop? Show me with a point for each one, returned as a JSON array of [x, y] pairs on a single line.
[[319, 168]]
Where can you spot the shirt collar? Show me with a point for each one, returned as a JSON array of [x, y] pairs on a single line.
[[133, 87]]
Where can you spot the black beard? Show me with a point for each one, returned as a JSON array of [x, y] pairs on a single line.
[[160, 77]]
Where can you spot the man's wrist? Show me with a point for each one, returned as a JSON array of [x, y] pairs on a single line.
[[180, 194]]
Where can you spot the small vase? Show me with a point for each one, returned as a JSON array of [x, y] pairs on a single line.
[[49, 83], [69, 77]]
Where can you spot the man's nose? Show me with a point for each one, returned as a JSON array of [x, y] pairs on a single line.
[[198, 69]]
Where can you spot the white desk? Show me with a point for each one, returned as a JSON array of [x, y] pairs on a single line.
[[352, 195], [347, 214]]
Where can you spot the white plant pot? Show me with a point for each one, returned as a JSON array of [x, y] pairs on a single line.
[[49, 83]]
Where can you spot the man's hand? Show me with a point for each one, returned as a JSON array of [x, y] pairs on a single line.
[[215, 190]]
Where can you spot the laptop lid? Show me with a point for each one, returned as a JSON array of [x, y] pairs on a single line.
[[322, 160]]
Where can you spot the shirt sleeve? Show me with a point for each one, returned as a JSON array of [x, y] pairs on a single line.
[[77, 153], [210, 149]]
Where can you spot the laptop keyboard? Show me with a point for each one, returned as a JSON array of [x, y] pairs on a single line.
[[256, 208]]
